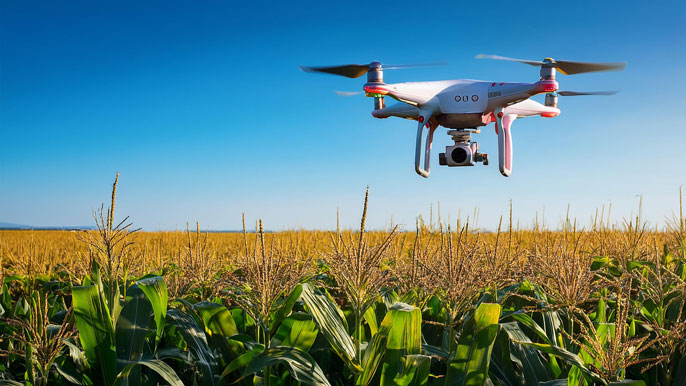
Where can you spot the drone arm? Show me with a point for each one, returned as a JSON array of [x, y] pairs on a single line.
[[503, 123], [424, 119]]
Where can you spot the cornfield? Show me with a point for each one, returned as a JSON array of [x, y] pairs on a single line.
[[442, 304]]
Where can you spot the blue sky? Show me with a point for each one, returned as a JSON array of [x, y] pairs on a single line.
[[201, 108]]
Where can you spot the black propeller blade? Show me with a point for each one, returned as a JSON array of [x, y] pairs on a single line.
[[564, 66], [572, 68], [348, 93], [575, 93], [349, 70], [357, 70]]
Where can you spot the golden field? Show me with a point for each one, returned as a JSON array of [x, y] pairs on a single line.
[[442, 304]]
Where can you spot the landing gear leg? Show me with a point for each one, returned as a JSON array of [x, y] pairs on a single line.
[[424, 120]]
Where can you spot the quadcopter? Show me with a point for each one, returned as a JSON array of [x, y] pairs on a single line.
[[463, 106]]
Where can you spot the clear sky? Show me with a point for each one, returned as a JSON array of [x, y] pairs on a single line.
[[202, 109]]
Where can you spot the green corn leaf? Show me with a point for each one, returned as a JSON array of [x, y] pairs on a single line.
[[114, 301], [606, 332], [95, 332], [680, 375], [555, 382], [244, 322], [238, 363], [156, 365], [28, 357], [219, 328], [469, 366], [404, 325], [298, 330], [601, 315], [132, 328], [156, 290], [501, 368], [7, 382], [331, 323], [627, 382], [434, 309], [285, 307], [551, 324], [372, 356], [216, 318], [527, 321], [567, 356], [242, 361], [300, 365], [370, 318], [171, 353], [75, 354], [416, 370], [434, 351], [197, 343], [576, 376], [534, 368], [68, 372]]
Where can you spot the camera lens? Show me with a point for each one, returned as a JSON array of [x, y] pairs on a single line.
[[459, 155]]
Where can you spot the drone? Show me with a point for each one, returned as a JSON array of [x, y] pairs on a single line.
[[463, 106]]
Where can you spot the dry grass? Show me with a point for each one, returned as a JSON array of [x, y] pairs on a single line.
[[564, 270], [30, 252]]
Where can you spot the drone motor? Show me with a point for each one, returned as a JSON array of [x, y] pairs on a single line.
[[375, 75], [551, 100]]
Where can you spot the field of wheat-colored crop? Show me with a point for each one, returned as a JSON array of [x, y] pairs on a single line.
[[441, 304]]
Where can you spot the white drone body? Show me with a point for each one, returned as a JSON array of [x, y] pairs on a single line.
[[464, 105]]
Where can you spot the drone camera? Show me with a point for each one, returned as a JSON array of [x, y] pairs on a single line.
[[463, 152]]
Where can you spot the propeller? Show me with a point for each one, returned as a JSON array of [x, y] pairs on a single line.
[[357, 70], [349, 71], [551, 98], [564, 66], [575, 93], [348, 93]]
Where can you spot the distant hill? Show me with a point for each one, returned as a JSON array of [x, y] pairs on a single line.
[[13, 226], [9, 225]]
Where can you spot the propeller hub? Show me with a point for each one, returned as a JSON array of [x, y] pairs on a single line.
[[548, 70], [375, 73]]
